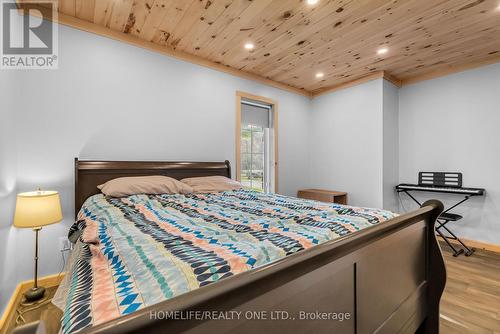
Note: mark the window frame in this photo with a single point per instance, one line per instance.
(242, 95)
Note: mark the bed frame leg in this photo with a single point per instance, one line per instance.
(428, 326)
(421, 328)
(436, 273)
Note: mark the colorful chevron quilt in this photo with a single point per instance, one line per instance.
(140, 250)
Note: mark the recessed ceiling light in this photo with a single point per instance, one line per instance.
(249, 46)
(319, 75)
(312, 2)
(382, 51)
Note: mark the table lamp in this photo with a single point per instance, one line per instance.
(35, 209)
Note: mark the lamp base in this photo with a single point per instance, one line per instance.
(34, 294)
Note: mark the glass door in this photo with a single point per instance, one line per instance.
(257, 146)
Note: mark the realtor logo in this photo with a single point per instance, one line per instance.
(29, 34)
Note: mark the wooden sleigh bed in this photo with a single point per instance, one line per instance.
(389, 278)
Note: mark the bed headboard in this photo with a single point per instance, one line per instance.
(91, 173)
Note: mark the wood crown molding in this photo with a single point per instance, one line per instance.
(395, 81)
(87, 26)
(448, 71)
(366, 78)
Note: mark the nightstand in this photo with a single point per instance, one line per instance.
(321, 195)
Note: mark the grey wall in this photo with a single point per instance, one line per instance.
(110, 100)
(354, 143)
(390, 131)
(9, 94)
(346, 143)
(452, 124)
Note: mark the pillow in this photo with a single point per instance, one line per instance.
(155, 184)
(207, 184)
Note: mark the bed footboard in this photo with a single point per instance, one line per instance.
(384, 279)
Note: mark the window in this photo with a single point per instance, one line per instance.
(252, 157)
(256, 148)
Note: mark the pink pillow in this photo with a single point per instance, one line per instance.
(207, 184)
(155, 184)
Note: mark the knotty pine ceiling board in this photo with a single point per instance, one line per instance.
(294, 41)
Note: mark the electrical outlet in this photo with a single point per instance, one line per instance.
(64, 244)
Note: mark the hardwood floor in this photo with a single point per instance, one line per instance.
(471, 300)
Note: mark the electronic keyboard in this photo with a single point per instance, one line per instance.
(441, 189)
(448, 183)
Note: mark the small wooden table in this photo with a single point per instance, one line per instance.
(321, 195)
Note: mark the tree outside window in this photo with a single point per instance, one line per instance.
(252, 157)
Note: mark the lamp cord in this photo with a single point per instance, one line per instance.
(63, 263)
(28, 307)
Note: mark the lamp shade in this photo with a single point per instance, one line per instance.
(37, 208)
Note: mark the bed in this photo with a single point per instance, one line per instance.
(244, 261)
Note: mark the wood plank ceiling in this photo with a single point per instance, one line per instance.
(294, 40)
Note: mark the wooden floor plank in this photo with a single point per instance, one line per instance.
(471, 300)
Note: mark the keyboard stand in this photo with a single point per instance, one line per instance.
(442, 220)
(442, 225)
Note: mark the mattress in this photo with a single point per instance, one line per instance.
(140, 250)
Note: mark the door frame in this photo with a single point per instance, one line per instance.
(242, 95)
